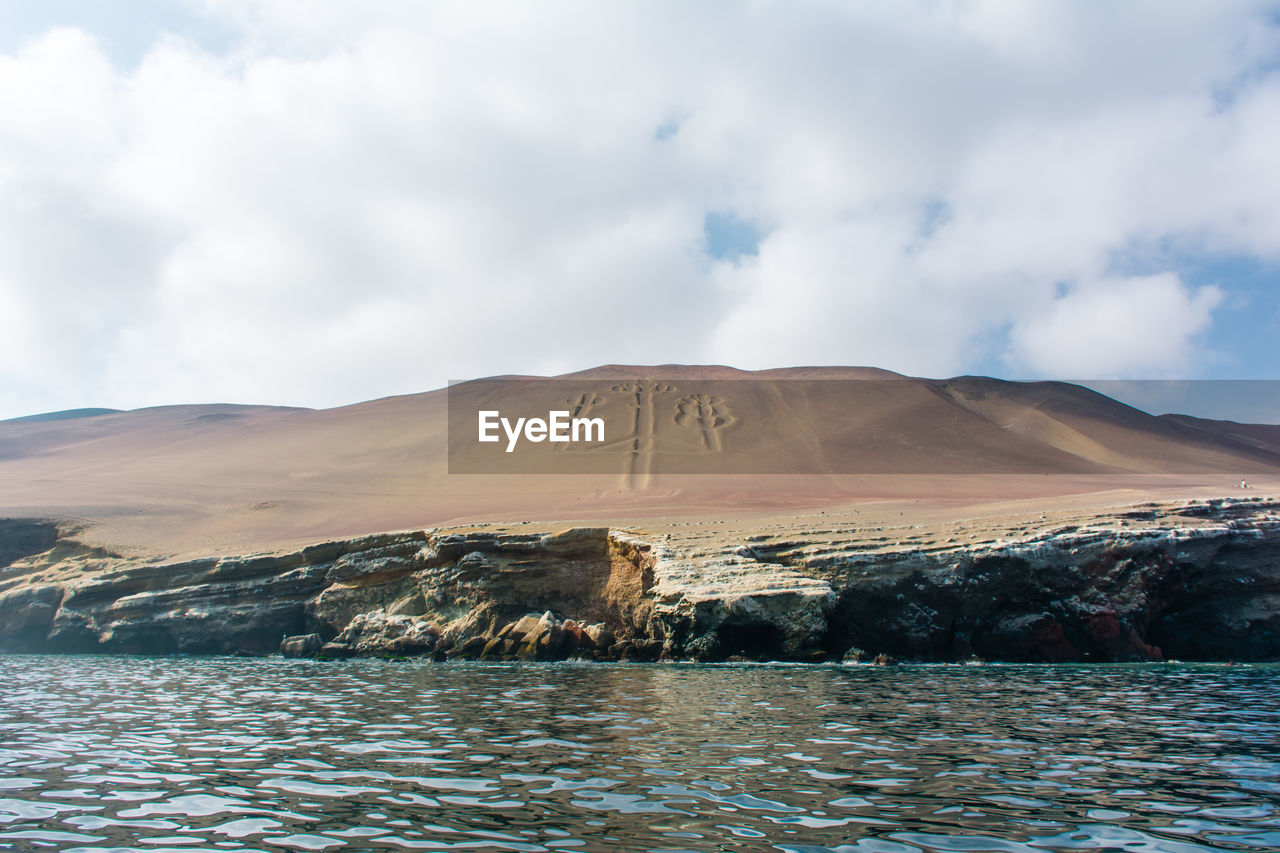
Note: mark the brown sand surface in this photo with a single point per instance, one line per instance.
(221, 479)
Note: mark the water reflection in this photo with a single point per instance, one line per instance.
(116, 754)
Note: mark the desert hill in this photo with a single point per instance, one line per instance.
(223, 478)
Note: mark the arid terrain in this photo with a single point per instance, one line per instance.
(224, 479)
(798, 513)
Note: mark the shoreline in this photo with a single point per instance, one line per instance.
(573, 663)
(1191, 579)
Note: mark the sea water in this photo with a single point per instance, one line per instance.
(182, 754)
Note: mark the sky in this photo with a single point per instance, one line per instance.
(314, 203)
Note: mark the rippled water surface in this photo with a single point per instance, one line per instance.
(232, 754)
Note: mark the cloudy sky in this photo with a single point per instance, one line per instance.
(315, 203)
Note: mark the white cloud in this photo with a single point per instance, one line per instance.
(1137, 326)
(357, 200)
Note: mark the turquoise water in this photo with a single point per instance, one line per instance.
(182, 754)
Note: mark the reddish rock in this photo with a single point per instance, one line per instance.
(1104, 626)
(576, 637)
(1144, 650)
(1050, 641)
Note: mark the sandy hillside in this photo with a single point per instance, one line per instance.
(705, 443)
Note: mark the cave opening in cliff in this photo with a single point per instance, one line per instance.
(749, 639)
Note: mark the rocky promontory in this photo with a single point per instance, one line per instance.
(1193, 580)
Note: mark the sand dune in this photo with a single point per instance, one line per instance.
(222, 478)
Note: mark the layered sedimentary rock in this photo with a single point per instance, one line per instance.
(1190, 580)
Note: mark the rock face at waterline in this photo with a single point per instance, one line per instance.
(1194, 580)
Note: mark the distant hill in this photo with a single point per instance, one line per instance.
(216, 477)
(65, 415)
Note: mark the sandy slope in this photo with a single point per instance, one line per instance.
(222, 479)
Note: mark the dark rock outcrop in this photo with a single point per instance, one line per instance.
(24, 538)
(1198, 580)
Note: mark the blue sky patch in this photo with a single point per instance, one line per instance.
(666, 130)
(1246, 325)
(126, 29)
(729, 237)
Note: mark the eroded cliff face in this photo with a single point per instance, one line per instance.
(1192, 580)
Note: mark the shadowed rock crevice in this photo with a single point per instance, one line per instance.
(748, 639)
(1010, 608)
(1224, 608)
(21, 537)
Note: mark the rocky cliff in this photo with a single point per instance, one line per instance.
(1193, 580)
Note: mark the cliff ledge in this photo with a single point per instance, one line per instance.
(1193, 580)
